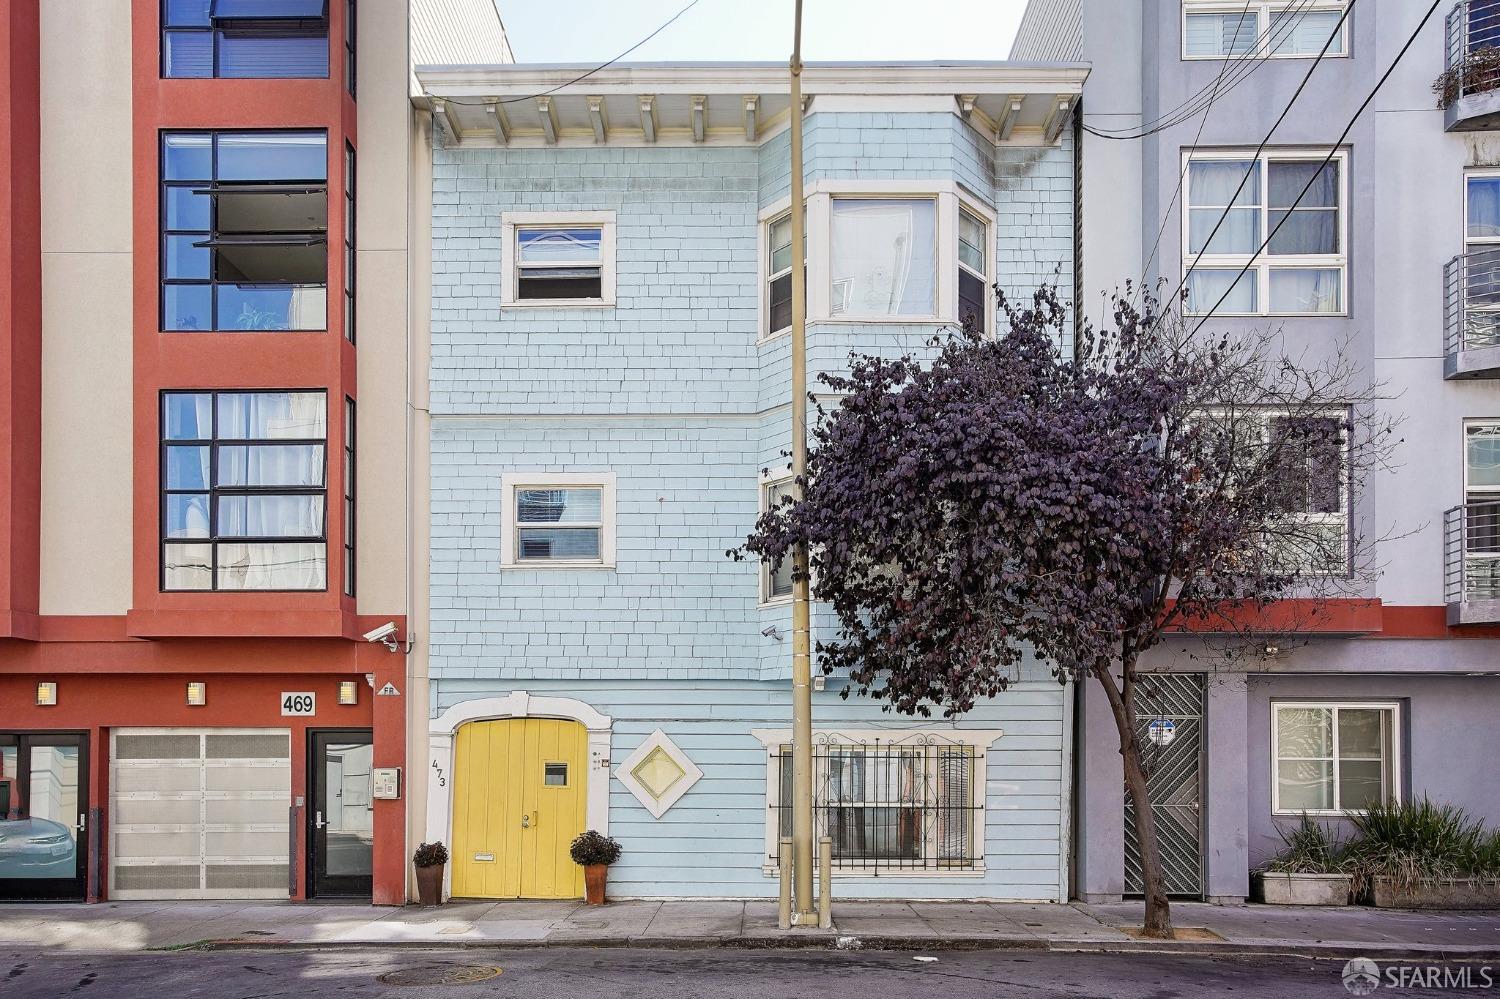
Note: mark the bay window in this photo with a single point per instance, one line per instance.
(779, 276)
(973, 271)
(1301, 270)
(775, 578)
(244, 231)
(244, 490)
(1334, 758)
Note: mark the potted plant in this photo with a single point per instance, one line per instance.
(1309, 870)
(594, 852)
(429, 861)
(1422, 855)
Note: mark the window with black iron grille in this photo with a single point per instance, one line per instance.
(245, 39)
(244, 490)
(890, 806)
(244, 231)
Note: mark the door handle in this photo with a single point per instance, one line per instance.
(318, 822)
(82, 821)
(525, 821)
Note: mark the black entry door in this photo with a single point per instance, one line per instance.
(44, 780)
(341, 837)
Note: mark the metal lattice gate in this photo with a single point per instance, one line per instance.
(1174, 702)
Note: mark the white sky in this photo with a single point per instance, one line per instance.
(588, 31)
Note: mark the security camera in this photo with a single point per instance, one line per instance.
(771, 631)
(382, 633)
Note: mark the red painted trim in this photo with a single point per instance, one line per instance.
(20, 317)
(1322, 617)
(1428, 622)
(194, 655)
(317, 360)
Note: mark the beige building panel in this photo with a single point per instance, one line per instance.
(86, 433)
(86, 121)
(382, 481)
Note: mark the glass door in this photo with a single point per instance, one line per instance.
(341, 839)
(43, 816)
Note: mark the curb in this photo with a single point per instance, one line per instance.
(824, 941)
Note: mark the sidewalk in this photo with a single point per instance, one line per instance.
(135, 926)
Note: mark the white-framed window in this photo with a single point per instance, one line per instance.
(775, 579)
(1482, 498)
(892, 802)
(778, 275)
(1283, 29)
(1481, 270)
(1315, 453)
(558, 520)
(1334, 757)
(882, 257)
(557, 259)
(973, 270)
(1303, 270)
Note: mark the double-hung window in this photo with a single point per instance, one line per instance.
(558, 259)
(1333, 758)
(779, 275)
(247, 39)
(1215, 29)
(1482, 499)
(244, 490)
(889, 802)
(775, 578)
(1301, 270)
(883, 257)
(564, 520)
(973, 271)
(244, 231)
(1309, 457)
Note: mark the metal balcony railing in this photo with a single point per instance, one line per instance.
(1473, 25)
(1471, 556)
(1471, 301)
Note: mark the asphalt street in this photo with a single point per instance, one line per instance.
(546, 973)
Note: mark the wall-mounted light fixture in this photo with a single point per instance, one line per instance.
(348, 692)
(197, 694)
(46, 693)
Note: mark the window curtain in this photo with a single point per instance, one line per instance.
(272, 416)
(1305, 290)
(884, 257)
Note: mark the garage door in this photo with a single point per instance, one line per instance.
(199, 813)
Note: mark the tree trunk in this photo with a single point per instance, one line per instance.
(1158, 917)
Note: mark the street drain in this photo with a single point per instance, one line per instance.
(463, 974)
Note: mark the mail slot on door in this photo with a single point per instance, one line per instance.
(385, 782)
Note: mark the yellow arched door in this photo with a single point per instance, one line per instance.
(519, 799)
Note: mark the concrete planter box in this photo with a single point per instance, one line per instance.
(1386, 894)
(1303, 889)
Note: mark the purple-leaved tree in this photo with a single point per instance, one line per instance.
(1001, 498)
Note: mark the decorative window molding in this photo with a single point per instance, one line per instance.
(658, 773)
(1328, 744)
(1270, 29)
(1284, 278)
(929, 841)
(515, 225)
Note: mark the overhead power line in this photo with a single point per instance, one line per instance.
(1369, 98)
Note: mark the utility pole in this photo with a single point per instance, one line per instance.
(802, 762)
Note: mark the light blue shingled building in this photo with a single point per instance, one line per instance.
(609, 394)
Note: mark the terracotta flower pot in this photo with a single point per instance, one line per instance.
(594, 878)
(430, 885)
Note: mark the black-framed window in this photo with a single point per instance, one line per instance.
(351, 44)
(244, 489)
(244, 39)
(349, 178)
(349, 469)
(244, 230)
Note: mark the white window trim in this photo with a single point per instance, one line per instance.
(1263, 9)
(1341, 517)
(770, 478)
(1264, 262)
(819, 220)
(1493, 492)
(981, 740)
(511, 221)
(1463, 222)
(987, 219)
(511, 481)
(625, 772)
(1393, 765)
